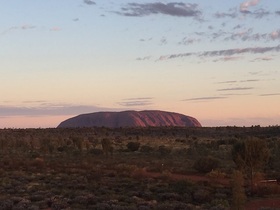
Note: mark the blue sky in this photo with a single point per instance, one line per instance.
(216, 60)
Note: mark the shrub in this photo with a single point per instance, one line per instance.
(206, 164)
(96, 151)
(182, 187)
(38, 163)
(146, 149)
(202, 196)
(216, 174)
(133, 146)
(163, 150)
(219, 204)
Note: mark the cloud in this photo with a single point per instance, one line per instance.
(163, 41)
(236, 88)
(47, 109)
(250, 80)
(218, 34)
(143, 58)
(245, 5)
(227, 52)
(26, 27)
(89, 2)
(204, 98)
(277, 12)
(55, 28)
(260, 13)
(140, 98)
(22, 27)
(148, 39)
(247, 35)
(188, 41)
(255, 73)
(238, 81)
(178, 9)
(225, 14)
(270, 94)
(275, 35)
(262, 59)
(236, 94)
(227, 82)
(228, 58)
(237, 26)
(143, 101)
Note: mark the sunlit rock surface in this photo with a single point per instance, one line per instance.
(130, 119)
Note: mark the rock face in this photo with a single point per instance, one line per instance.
(130, 119)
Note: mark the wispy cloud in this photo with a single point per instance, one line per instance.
(235, 88)
(89, 2)
(260, 13)
(262, 59)
(237, 81)
(55, 28)
(143, 58)
(41, 108)
(250, 80)
(140, 98)
(226, 53)
(228, 58)
(142, 101)
(248, 35)
(229, 14)
(205, 98)
(270, 94)
(236, 94)
(173, 9)
(163, 41)
(255, 72)
(228, 82)
(22, 27)
(275, 35)
(189, 40)
(244, 7)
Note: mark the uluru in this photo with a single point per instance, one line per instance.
(148, 118)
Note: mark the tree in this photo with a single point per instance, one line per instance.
(107, 146)
(238, 192)
(250, 156)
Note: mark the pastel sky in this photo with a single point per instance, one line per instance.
(215, 60)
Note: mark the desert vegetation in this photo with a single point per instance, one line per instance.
(140, 168)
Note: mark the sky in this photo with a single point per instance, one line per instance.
(215, 60)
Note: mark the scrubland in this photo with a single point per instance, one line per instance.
(148, 168)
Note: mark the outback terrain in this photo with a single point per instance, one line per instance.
(140, 168)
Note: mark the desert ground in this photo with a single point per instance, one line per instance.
(140, 168)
